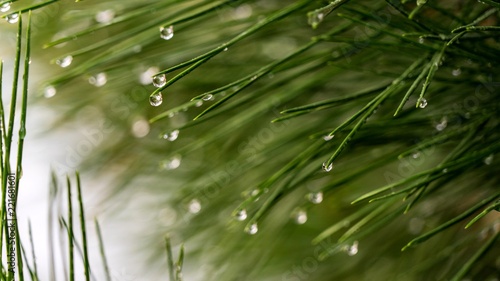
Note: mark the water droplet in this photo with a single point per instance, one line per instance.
(49, 92)
(422, 103)
(327, 168)
(167, 32)
(300, 217)
(171, 164)
(105, 16)
(488, 160)
(198, 103)
(456, 72)
(315, 197)
(442, 124)
(241, 215)
(415, 155)
(353, 249)
(12, 18)
(444, 171)
(225, 49)
(156, 99)
(171, 136)
(315, 19)
(328, 137)
(194, 206)
(421, 2)
(99, 80)
(208, 97)
(5, 7)
(65, 62)
(159, 80)
(421, 40)
(252, 229)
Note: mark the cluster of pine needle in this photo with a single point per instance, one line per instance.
(291, 140)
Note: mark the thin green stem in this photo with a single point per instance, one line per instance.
(170, 258)
(84, 228)
(102, 250)
(315, 17)
(468, 265)
(70, 233)
(451, 222)
(31, 8)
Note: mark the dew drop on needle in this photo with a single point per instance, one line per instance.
(241, 215)
(65, 62)
(315, 197)
(156, 99)
(327, 168)
(252, 229)
(159, 80)
(300, 217)
(5, 7)
(12, 18)
(167, 33)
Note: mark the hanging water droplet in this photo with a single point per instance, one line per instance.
(300, 217)
(159, 80)
(421, 40)
(156, 99)
(198, 103)
(241, 215)
(415, 155)
(208, 97)
(5, 7)
(65, 62)
(194, 206)
(315, 197)
(422, 103)
(49, 92)
(352, 249)
(456, 72)
(12, 18)
(328, 137)
(252, 229)
(171, 164)
(98, 80)
(225, 49)
(167, 32)
(105, 16)
(488, 160)
(444, 171)
(315, 18)
(327, 168)
(171, 136)
(442, 124)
